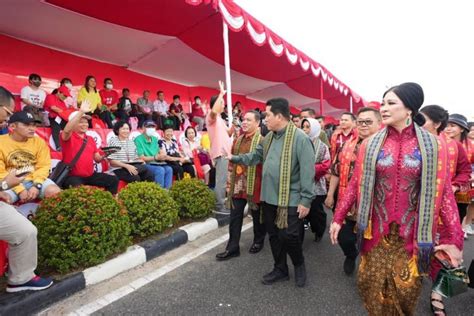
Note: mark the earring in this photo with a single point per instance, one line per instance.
(408, 121)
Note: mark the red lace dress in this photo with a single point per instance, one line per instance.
(387, 256)
(397, 187)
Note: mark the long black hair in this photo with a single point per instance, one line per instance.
(86, 84)
(437, 114)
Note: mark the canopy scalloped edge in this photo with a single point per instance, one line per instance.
(237, 19)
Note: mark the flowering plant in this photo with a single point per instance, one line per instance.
(80, 227)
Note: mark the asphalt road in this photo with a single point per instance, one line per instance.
(207, 287)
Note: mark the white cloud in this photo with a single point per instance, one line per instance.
(371, 45)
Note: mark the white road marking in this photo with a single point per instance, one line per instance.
(138, 283)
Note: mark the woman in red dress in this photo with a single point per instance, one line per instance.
(401, 194)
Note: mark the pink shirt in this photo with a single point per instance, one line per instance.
(220, 139)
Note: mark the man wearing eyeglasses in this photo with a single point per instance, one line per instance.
(368, 123)
(6, 109)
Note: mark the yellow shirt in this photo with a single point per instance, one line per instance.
(92, 96)
(16, 155)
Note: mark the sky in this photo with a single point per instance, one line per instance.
(371, 45)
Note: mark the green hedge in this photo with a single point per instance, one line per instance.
(194, 198)
(150, 208)
(80, 227)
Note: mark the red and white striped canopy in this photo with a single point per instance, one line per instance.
(178, 41)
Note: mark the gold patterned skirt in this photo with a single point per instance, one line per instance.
(386, 283)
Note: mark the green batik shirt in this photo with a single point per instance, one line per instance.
(302, 185)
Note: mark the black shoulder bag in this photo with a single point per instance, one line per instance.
(62, 169)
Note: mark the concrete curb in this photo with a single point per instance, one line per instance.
(134, 256)
(196, 230)
(26, 303)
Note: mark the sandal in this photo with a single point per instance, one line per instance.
(435, 309)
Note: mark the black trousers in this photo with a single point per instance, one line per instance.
(189, 168)
(56, 130)
(179, 170)
(317, 216)
(158, 119)
(347, 239)
(102, 180)
(462, 210)
(106, 117)
(284, 241)
(176, 122)
(235, 225)
(144, 174)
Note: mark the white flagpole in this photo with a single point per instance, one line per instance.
(228, 84)
(351, 106)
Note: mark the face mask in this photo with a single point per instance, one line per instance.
(68, 85)
(150, 131)
(109, 86)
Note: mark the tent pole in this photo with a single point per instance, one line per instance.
(228, 83)
(351, 106)
(321, 96)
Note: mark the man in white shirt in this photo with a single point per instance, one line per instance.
(32, 98)
(160, 109)
(32, 94)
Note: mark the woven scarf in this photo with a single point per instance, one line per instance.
(251, 173)
(429, 190)
(281, 220)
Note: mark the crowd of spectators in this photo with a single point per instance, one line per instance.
(147, 157)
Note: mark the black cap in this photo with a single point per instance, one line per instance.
(149, 123)
(23, 117)
(459, 119)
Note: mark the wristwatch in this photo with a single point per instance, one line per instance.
(4, 186)
(39, 186)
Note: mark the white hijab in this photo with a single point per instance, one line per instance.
(315, 128)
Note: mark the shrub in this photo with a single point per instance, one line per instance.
(194, 198)
(150, 208)
(80, 227)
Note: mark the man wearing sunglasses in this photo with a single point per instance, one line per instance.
(368, 123)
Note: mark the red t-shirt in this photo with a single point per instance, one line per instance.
(85, 164)
(53, 100)
(177, 108)
(197, 111)
(109, 98)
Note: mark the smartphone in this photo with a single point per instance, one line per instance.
(22, 173)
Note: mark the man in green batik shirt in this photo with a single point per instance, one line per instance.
(288, 188)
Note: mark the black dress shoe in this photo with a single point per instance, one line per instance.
(275, 276)
(256, 248)
(317, 238)
(226, 255)
(300, 275)
(349, 265)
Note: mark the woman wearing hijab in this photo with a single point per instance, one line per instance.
(401, 193)
(460, 170)
(317, 216)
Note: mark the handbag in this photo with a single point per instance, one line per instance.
(62, 169)
(470, 274)
(450, 281)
